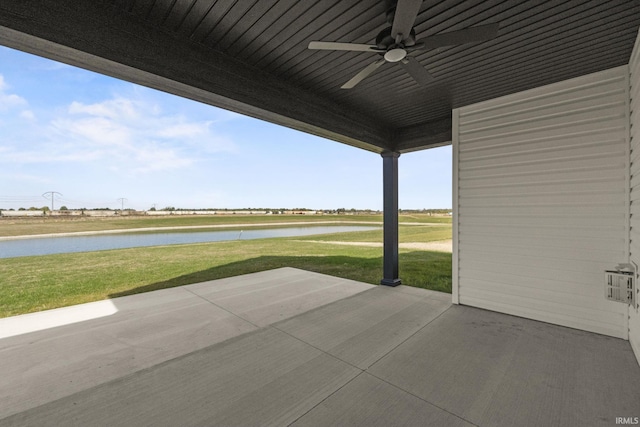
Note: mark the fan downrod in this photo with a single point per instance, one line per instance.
(384, 39)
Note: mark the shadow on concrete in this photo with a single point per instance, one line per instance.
(430, 270)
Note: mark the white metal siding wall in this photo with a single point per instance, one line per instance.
(542, 208)
(634, 68)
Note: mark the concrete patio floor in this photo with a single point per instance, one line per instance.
(291, 347)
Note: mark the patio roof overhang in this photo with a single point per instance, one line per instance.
(251, 56)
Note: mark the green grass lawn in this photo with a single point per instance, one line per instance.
(43, 282)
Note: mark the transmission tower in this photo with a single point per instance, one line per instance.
(53, 196)
(122, 200)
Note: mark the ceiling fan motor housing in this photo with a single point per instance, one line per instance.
(384, 40)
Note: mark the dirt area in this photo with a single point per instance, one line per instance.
(438, 246)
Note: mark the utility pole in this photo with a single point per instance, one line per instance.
(122, 200)
(53, 194)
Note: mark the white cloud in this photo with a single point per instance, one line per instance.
(184, 130)
(27, 115)
(3, 84)
(153, 158)
(93, 131)
(125, 134)
(9, 100)
(116, 109)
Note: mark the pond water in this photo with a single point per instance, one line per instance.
(97, 242)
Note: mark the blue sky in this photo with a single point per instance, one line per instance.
(96, 139)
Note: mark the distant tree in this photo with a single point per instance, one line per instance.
(153, 208)
(64, 208)
(22, 209)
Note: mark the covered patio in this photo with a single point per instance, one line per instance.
(291, 347)
(542, 114)
(323, 68)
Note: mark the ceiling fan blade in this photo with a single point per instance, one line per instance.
(477, 34)
(417, 71)
(343, 46)
(364, 73)
(405, 17)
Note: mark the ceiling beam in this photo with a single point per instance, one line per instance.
(97, 36)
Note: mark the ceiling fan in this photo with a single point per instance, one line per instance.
(396, 42)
